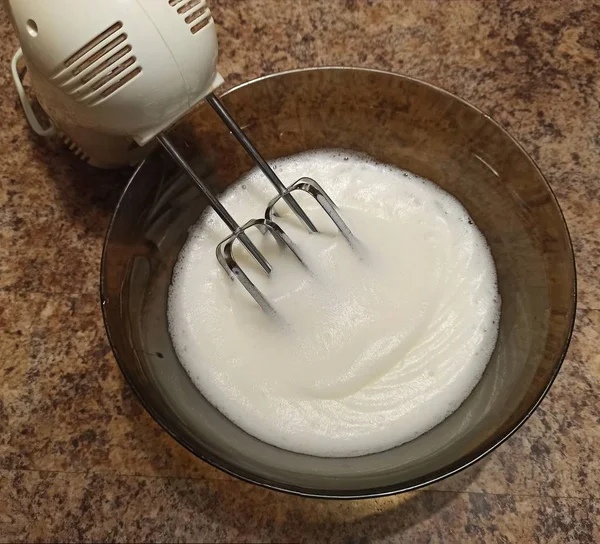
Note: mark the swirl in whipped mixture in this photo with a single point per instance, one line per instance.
(378, 346)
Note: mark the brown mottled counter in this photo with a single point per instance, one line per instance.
(80, 460)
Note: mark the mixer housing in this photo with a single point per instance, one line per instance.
(111, 75)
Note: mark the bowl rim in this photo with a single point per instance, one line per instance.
(462, 463)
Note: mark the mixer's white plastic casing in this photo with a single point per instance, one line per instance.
(112, 74)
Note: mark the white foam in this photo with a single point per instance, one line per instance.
(377, 351)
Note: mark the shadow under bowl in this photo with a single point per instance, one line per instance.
(399, 121)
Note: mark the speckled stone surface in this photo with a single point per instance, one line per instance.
(80, 460)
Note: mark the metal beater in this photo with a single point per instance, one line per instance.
(266, 225)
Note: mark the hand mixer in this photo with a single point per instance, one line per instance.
(114, 75)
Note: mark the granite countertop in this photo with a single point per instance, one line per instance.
(80, 460)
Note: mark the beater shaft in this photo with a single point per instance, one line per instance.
(216, 205)
(241, 137)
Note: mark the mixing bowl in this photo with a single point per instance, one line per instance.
(399, 121)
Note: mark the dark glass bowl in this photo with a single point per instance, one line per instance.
(397, 120)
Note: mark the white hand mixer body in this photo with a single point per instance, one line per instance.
(112, 75)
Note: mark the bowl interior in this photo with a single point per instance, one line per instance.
(396, 120)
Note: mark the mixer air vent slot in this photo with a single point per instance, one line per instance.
(125, 79)
(195, 13)
(75, 149)
(100, 68)
(93, 43)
